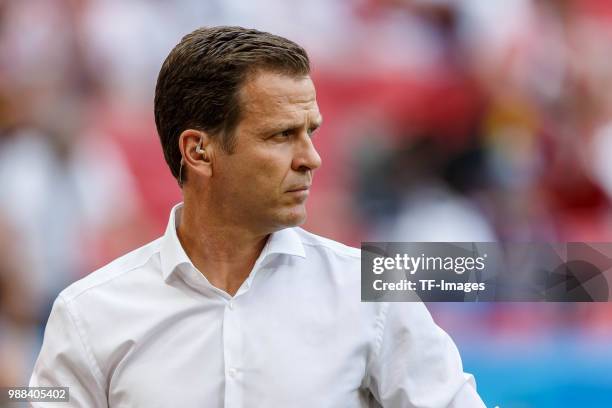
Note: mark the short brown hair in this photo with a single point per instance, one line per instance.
(199, 82)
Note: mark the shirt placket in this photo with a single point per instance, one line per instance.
(232, 337)
(233, 353)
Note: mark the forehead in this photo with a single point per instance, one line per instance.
(269, 98)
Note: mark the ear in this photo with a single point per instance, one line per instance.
(196, 150)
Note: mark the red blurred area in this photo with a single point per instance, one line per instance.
(501, 109)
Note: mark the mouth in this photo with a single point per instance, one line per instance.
(299, 193)
(298, 189)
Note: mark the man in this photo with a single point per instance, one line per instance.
(234, 306)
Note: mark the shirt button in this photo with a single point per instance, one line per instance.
(232, 372)
(231, 305)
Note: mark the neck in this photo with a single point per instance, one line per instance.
(223, 252)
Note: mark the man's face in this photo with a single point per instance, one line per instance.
(265, 181)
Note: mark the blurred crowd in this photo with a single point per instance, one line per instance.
(470, 120)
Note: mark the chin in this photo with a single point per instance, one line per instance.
(294, 219)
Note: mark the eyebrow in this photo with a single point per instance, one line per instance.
(291, 125)
(316, 123)
(319, 122)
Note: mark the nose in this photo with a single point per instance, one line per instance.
(306, 156)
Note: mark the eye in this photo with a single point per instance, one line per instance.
(312, 131)
(284, 134)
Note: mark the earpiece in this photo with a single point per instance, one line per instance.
(199, 149)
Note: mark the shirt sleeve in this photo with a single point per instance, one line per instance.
(415, 364)
(65, 360)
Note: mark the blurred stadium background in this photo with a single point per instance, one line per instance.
(470, 120)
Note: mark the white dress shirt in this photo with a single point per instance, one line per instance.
(149, 330)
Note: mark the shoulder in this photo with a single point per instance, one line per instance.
(327, 246)
(132, 263)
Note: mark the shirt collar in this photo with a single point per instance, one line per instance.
(172, 254)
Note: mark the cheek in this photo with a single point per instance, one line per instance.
(261, 172)
(270, 170)
(268, 179)
(257, 184)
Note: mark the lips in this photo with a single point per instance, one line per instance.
(300, 188)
